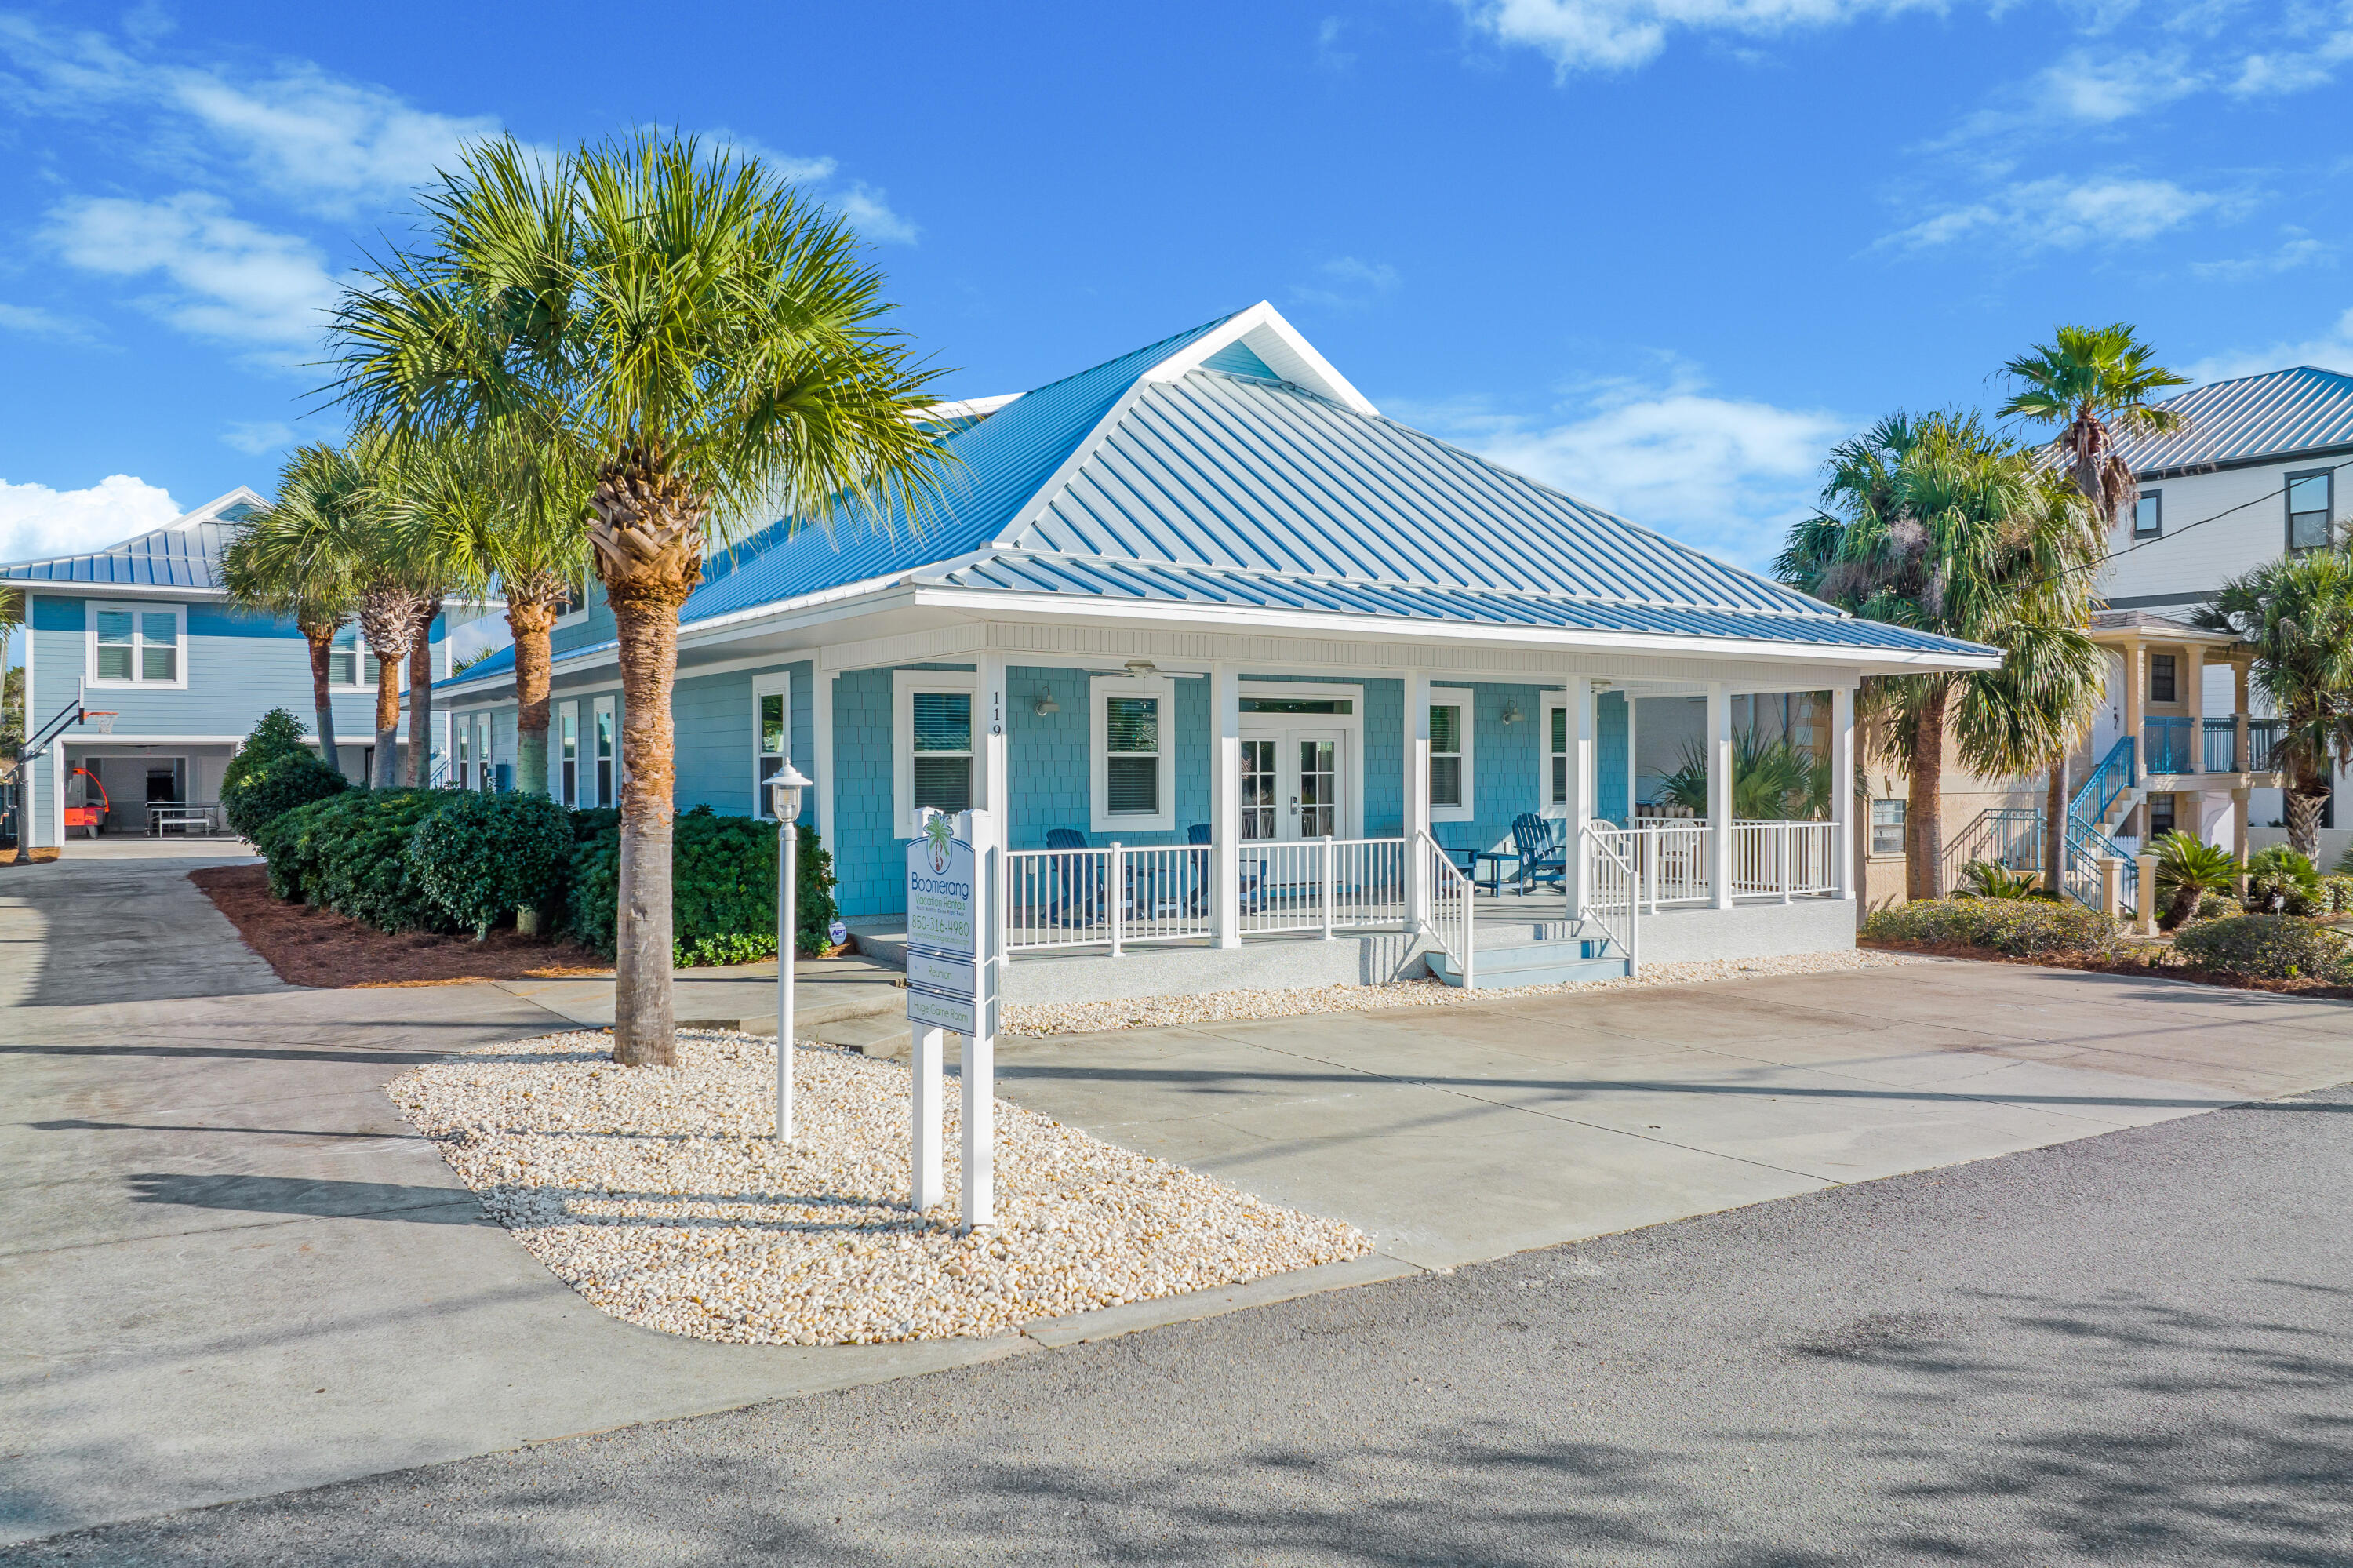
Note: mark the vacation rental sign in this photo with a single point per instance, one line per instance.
(944, 927)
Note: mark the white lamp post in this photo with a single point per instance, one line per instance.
(785, 787)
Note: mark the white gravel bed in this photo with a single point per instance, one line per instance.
(1228, 1006)
(660, 1195)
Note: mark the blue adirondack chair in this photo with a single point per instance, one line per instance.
(1543, 857)
(1074, 882)
(1198, 834)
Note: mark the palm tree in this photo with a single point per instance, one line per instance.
(2095, 384)
(504, 517)
(300, 556)
(2298, 615)
(2188, 868)
(1937, 523)
(710, 343)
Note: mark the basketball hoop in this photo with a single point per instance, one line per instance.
(102, 723)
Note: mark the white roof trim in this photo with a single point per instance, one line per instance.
(209, 510)
(1262, 330)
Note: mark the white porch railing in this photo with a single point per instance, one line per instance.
(1672, 862)
(1787, 859)
(1118, 896)
(1613, 889)
(1451, 922)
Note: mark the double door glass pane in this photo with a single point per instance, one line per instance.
(1319, 790)
(1261, 790)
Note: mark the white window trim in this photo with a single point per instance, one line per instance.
(598, 706)
(1547, 704)
(1458, 697)
(905, 684)
(779, 684)
(179, 613)
(1101, 689)
(569, 709)
(360, 648)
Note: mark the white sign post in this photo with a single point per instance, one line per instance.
(952, 959)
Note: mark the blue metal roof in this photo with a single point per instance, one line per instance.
(2300, 409)
(182, 556)
(999, 466)
(1100, 578)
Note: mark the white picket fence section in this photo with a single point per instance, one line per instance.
(1790, 859)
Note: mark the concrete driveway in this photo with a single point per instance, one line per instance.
(230, 1269)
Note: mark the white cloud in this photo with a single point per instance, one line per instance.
(871, 214)
(37, 522)
(35, 321)
(1329, 55)
(2299, 249)
(2063, 214)
(1347, 284)
(257, 437)
(1620, 35)
(229, 279)
(1726, 474)
(2332, 349)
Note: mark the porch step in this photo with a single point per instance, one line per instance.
(1533, 963)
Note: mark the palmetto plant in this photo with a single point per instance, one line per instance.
(1991, 879)
(1937, 523)
(2297, 614)
(2188, 868)
(1772, 781)
(2284, 880)
(710, 346)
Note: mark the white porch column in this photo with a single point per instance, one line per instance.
(1842, 785)
(1587, 780)
(821, 748)
(2193, 662)
(1719, 792)
(991, 722)
(1417, 796)
(1225, 804)
(1633, 773)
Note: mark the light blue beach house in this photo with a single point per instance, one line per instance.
(143, 635)
(1268, 689)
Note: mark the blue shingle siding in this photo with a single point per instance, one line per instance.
(865, 863)
(713, 718)
(1384, 759)
(1609, 756)
(596, 626)
(1046, 791)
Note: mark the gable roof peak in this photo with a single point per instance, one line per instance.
(1262, 330)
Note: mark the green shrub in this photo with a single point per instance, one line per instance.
(350, 852)
(2280, 880)
(722, 886)
(273, 772)
(1991, 879)
(480, 857)
(2336, 893)
(2023, 927)
(2267, 947)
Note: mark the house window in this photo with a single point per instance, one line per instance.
(1134, 754)
(135, 645)
(2160, 678)
(2310, 503)
(1888, 827)
(772, 709)
(485, 771)
(462, 741)
(2160, 815)
(1557, 764)
(2148, 515)
(349, 664)
(943, 750)
(602, 727)
(1449, 760)
(567, 745)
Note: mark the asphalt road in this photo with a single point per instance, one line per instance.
(2134, 1349)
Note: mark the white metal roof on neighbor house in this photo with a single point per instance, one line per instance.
(183, 554)
(2250, 419)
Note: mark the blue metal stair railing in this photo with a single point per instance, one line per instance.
(2105, 785)
(2168, 745)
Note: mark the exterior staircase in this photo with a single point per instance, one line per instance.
(2013, 835)
(1535, 953)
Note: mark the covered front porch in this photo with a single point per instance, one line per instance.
(1177, 823)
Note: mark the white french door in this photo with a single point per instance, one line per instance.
(1294, 784)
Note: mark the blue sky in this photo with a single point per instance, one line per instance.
(1661, 253)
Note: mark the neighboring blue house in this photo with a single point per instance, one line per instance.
(143, 630)
(1204, 601)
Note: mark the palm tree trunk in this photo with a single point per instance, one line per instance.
(388, 625)
(420, 697)
(1924, 813)
(387, 723)
(530, 622)
(323, 700)
(2054, 829)
(2303, 817)
(643, 1019)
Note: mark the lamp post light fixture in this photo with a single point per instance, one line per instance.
(785, 787)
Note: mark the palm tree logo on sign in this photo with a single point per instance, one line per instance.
(939, 832)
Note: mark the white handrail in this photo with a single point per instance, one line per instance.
(1613, 888)
(1451, 914)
